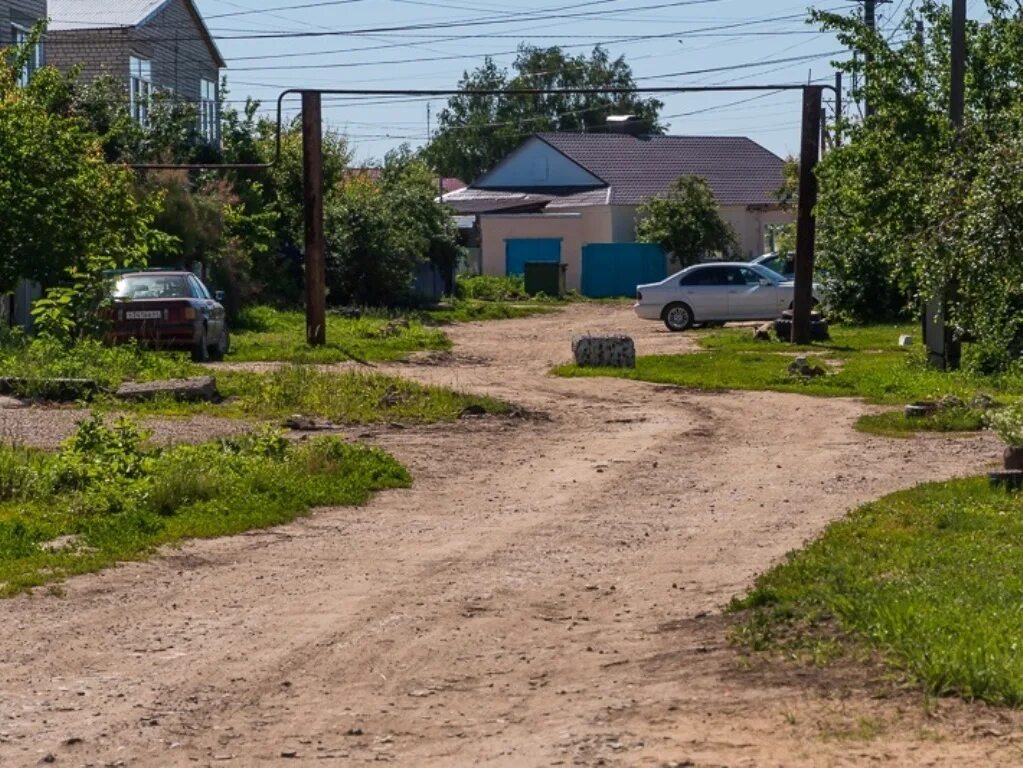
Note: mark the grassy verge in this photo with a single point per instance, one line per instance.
(930, 577)
(266, 334)
(861, 362)
(472, 310)
(106, 498)
(345, 398)
(40, 359)
(896, 424)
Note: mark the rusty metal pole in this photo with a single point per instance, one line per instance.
(806, 225)
(315, 246)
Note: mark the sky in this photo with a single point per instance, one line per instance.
(353, 44)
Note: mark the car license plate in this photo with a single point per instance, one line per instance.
(150, 315)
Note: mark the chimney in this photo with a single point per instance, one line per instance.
(630, 125)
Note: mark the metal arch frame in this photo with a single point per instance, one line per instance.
(810, 143)
(455, 92)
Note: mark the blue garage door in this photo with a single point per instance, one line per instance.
(517, 252)
(615, 269)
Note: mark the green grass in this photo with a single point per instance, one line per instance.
(349, 397)
(40, 359)
(896, 424)
(861, 362)
(105, 498)
(472, 310)
(929, 577)
(266, 334)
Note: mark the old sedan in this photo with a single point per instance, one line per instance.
(172, 310)
(716, 293)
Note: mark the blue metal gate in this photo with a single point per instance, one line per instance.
(615, 269)
(518, 251)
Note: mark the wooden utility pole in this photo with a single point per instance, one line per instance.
(315, 246)
(806, 225)
(943, 350)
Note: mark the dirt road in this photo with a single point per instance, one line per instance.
(548, 593)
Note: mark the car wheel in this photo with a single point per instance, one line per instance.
(201, 348)
(222, 347)
(678, 317)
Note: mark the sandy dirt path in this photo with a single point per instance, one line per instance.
(549, 593)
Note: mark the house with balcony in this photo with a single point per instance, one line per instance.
(149, 45)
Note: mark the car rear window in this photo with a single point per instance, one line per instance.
(152, 287)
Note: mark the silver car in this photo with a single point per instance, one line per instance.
(716, 293)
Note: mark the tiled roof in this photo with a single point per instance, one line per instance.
(99, 14)
(738, 170)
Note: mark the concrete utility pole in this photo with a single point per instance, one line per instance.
(315, 246)
(806, 224)
(943, 351)
(838, 109)
(870, 19)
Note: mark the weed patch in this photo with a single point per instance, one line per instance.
(897, 424)
(107, 497)
(350, 397)
(929, 577)
(265, 334)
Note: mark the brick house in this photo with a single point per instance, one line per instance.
(149, 45)
(17, 17)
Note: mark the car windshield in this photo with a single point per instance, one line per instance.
(151, 287)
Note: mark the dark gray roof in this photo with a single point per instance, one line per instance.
(738, 170)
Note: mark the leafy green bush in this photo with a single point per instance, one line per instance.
(107, 496)
(491, 288)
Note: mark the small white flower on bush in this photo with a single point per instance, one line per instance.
(1007, 423)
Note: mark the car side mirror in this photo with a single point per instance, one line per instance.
(218, 295)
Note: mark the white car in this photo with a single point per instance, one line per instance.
(716, 293)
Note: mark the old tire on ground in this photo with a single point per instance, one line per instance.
(219, 350)
(677, 317)
(201, 348)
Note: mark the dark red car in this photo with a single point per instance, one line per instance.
(170, 310)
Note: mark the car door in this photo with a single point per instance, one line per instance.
(705, 289)
(752, 296)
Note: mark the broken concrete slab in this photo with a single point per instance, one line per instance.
(198, 389)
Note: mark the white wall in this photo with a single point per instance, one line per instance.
(751, 225)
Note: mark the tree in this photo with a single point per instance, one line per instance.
(65, 209)
(686, 222)
(476, 131)
(379, 232)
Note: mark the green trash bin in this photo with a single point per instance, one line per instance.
(546, 277)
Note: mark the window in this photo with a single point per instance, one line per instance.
(19, 35)
(713, 276)
(750, 277)
(198, 288)
(208, 110)
(140, 87)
